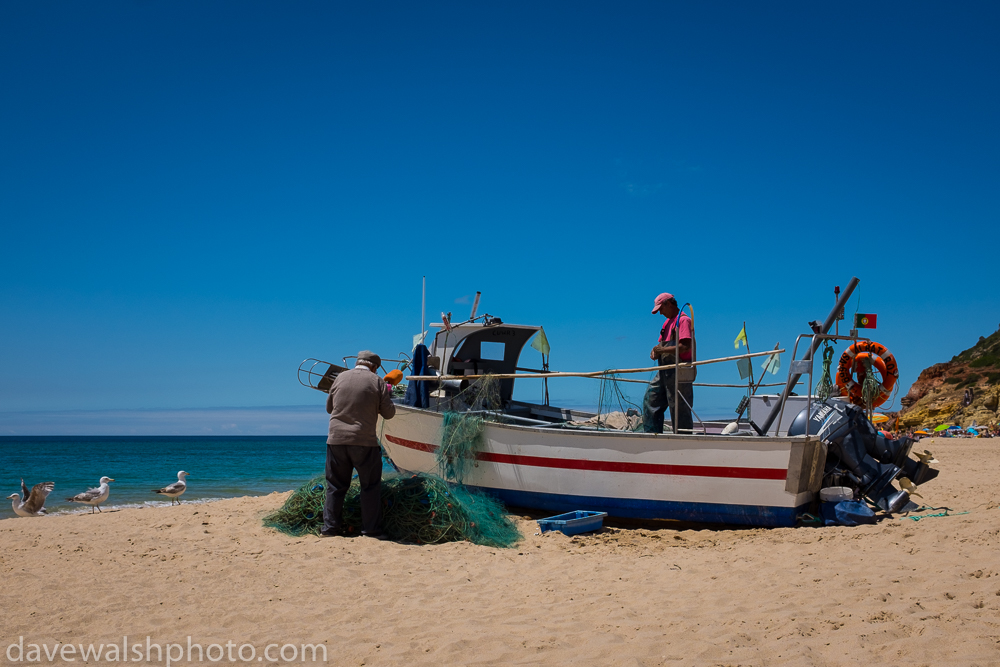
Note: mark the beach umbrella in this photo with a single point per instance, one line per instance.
(921, 432)
(942, 427)
(972, 430)
(879, 418)
(954, 428)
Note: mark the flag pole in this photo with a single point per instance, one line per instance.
(746, 340)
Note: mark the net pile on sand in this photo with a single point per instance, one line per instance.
(422, 508)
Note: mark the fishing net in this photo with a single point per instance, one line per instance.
(461, 438)
(628, 415)
(425, 509)
(422, 508)
(462, 431)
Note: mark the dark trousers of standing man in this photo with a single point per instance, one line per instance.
(660, 396)
(341, 462)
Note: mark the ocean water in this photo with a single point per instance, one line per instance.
(219, 467)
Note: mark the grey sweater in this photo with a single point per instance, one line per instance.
(356, 400)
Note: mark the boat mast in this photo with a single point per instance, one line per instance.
(475, 306)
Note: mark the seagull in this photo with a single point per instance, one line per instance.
(175, 490)
(93, 497)
(33, 502)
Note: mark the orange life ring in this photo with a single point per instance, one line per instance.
(880, 358)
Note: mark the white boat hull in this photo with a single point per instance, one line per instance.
(706, 478)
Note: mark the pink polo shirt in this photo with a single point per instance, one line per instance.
(684, 331)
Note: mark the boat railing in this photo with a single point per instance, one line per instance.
(591, 374)
(822, 329)
(319, 374)
(805, 366)
(598, 374)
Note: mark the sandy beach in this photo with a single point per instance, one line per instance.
(901, 592)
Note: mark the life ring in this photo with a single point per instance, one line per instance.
(880, 358)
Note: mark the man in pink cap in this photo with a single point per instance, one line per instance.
(676, 339)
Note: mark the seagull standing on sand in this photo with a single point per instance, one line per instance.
(33, 502)
(93, 497)
(176, 490)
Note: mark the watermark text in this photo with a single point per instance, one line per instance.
(168, 653)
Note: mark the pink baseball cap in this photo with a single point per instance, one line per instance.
(660, 300)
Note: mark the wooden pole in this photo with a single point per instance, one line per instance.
(763, 372)
(592, 374)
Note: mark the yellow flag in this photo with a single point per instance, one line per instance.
(541, 343)
(742, 338)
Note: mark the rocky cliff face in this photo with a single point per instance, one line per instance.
(961, 391)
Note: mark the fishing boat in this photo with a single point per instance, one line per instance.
(540, 456)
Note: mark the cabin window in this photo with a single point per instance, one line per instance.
(492, 351)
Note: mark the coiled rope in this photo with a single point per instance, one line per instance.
(870, 387)
(824, 387)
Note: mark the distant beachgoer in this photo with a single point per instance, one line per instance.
(676, 337)
(357, 398)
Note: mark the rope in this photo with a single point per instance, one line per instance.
(870, 387)
(807, 519)
(928, 516)
(824, 387)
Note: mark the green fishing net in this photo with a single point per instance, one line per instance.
(421, 508)
(462, 427)
(461, 438)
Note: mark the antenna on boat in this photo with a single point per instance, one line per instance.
(840, 315)
(423, 307)
(475, 306)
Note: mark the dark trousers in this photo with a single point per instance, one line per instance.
(341, 462)
(660, 396)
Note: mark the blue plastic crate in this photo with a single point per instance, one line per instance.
(573, 523)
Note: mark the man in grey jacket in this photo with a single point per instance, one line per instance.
(357, 398)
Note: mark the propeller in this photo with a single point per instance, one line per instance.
(906, 485)
(926, 457)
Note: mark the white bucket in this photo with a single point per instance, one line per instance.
(834, 494)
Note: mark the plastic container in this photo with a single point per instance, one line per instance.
(835, 494)
(573, 523)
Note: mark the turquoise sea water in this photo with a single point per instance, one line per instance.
(219, 467)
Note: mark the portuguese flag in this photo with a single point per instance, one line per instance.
(865, 320)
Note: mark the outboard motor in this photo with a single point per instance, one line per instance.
(897, 452)
(865, 455)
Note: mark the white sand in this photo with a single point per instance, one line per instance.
(901, 592)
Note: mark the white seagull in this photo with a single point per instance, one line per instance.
(33, 502)
(94, 497)
(176, 490)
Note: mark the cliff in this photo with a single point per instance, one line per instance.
(961, 391)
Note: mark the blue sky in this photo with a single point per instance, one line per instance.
(196, 196)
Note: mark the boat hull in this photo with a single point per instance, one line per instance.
(714, 479)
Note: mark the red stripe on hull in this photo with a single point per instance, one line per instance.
(611, 466)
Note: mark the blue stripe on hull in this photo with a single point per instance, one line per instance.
(742, 515)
